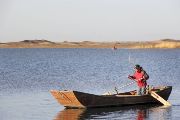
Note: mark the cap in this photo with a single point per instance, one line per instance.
(137, 66)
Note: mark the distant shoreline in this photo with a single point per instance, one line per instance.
(164, 43)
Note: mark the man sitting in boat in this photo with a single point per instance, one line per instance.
(140, 76)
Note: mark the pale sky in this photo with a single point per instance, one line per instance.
(92, 20)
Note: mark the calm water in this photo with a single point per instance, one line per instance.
(27, 75)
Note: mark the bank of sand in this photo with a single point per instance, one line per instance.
(165, 43)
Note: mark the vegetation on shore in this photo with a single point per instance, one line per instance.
(165, 43)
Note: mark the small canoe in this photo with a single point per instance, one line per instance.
(75, 99)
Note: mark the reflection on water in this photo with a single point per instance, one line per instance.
(70, 114)
(138, 112)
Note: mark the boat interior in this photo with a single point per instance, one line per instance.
(156, 89)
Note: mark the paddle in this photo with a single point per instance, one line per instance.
(159, 98)
(116, 89)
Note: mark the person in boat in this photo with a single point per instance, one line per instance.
(141, 77)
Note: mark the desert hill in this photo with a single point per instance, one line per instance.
(164, 43)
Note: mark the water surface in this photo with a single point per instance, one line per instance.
(27, 75)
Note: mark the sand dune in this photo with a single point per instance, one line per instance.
(165, 43)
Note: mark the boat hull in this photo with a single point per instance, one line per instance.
(75, 99)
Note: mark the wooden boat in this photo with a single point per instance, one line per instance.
(75, 99)
(114, 48)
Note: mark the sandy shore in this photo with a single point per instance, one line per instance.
(165, 43)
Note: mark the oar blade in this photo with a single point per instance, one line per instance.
(159, 98)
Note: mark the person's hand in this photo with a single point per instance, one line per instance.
(141, 79)
(130, 77)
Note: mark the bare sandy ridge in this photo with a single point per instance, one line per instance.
(165, 43)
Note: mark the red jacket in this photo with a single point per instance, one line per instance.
(141, 78)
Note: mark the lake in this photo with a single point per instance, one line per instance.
(27, 76)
